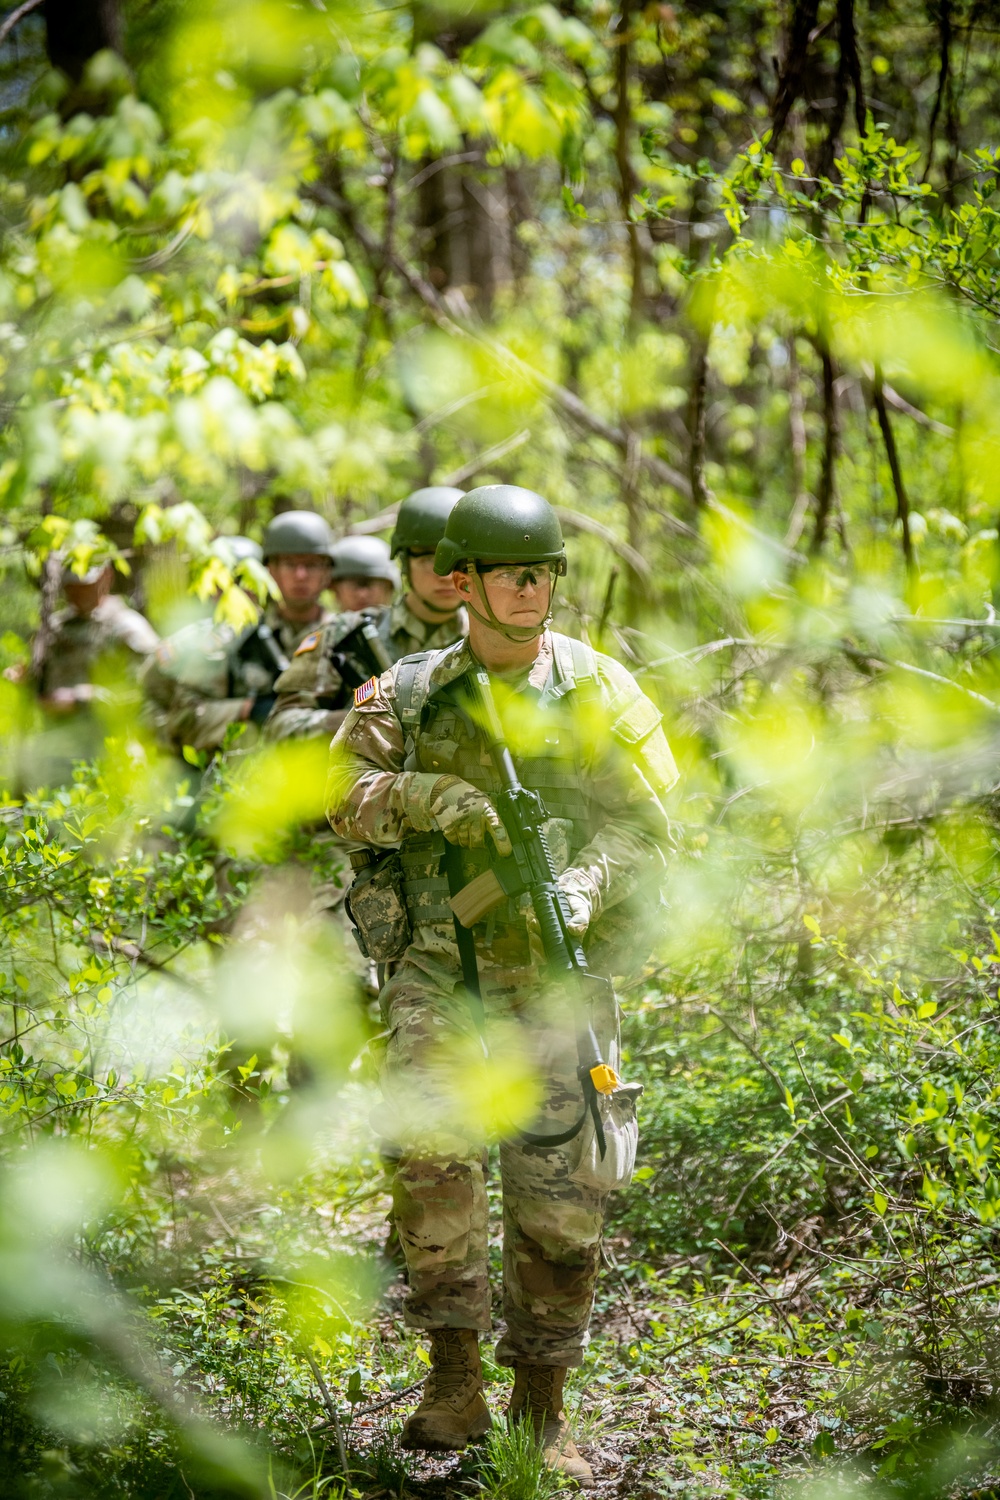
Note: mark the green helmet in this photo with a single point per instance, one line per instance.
(298, 533)
(363, 557)
(501, 523)
(421, 518)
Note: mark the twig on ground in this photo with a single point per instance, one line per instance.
(334, 1415)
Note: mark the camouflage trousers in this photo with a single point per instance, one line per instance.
(443, 1099)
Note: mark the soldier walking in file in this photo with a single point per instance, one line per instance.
(208, 676)
(318, 688)
(413, 766)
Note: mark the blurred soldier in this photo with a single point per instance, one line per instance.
(364, 575)
(208, 676)
(316, 691)
(409, 767)
(86, 677)
(96, 625)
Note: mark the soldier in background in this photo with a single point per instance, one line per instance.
(313, 696)
(95, 625)
(85, 675)
(364, 575)
(207, 675)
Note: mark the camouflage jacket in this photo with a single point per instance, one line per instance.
(315, 693)
(80, 642)
(200, 677)
(583, 735)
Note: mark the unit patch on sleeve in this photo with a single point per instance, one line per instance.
(365, 691)
(309, 643)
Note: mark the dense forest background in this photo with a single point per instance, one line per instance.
(722, 283)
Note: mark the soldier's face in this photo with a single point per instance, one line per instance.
(518, 594)
(301, 579)
(439, 594)
(363, 593)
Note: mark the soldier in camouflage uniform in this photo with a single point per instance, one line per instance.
(409, 768)
(207, 676)
(94, 654)
(316, 691)
(364, 574)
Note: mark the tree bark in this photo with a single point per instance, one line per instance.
(826, 489)
(892, 454)
(627, 183)
(797, 444)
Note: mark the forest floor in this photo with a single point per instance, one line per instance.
(682, 1392)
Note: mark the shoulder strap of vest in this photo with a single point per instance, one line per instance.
(576, 667)
(412, 684)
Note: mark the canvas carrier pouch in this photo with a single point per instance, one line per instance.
(376, 907)
(621, 1136)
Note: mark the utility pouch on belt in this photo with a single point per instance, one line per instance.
(613, 1170)
(376, 907)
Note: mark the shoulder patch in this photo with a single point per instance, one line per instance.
(365, 691)
(308, 643)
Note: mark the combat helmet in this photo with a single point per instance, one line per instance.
(298, 533)
(422, 517)
(364, 557)
(501, 523)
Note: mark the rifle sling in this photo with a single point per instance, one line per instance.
(452, 862)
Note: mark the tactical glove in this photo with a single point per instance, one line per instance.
(466, 815)
(580, 898)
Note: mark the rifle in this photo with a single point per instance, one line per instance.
(530, 868)
(350, 662)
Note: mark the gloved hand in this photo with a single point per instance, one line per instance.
(579, 896)
(466, 815)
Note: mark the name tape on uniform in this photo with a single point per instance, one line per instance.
(365, 691)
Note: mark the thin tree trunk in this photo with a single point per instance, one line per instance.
(696, 421)
(944, 74)
(626, 176)
(634, 594)
(891, 453)
(51, 582)
(790, 82)
(797, 443)
(826, 489)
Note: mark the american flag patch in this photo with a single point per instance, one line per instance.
(365, 691)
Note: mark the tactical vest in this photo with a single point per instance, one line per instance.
(440, 738)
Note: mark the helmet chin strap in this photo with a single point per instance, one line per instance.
(518, 634)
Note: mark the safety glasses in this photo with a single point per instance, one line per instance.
(516, 576)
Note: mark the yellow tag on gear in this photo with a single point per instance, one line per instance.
(604, 1078)
(308, 643)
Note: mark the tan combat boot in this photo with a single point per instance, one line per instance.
(452, 1410)
(538, 1398)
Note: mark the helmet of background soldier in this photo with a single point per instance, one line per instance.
(298, 533)
(236, 549)
(422, 517)
(363, 557)
(500, 523)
